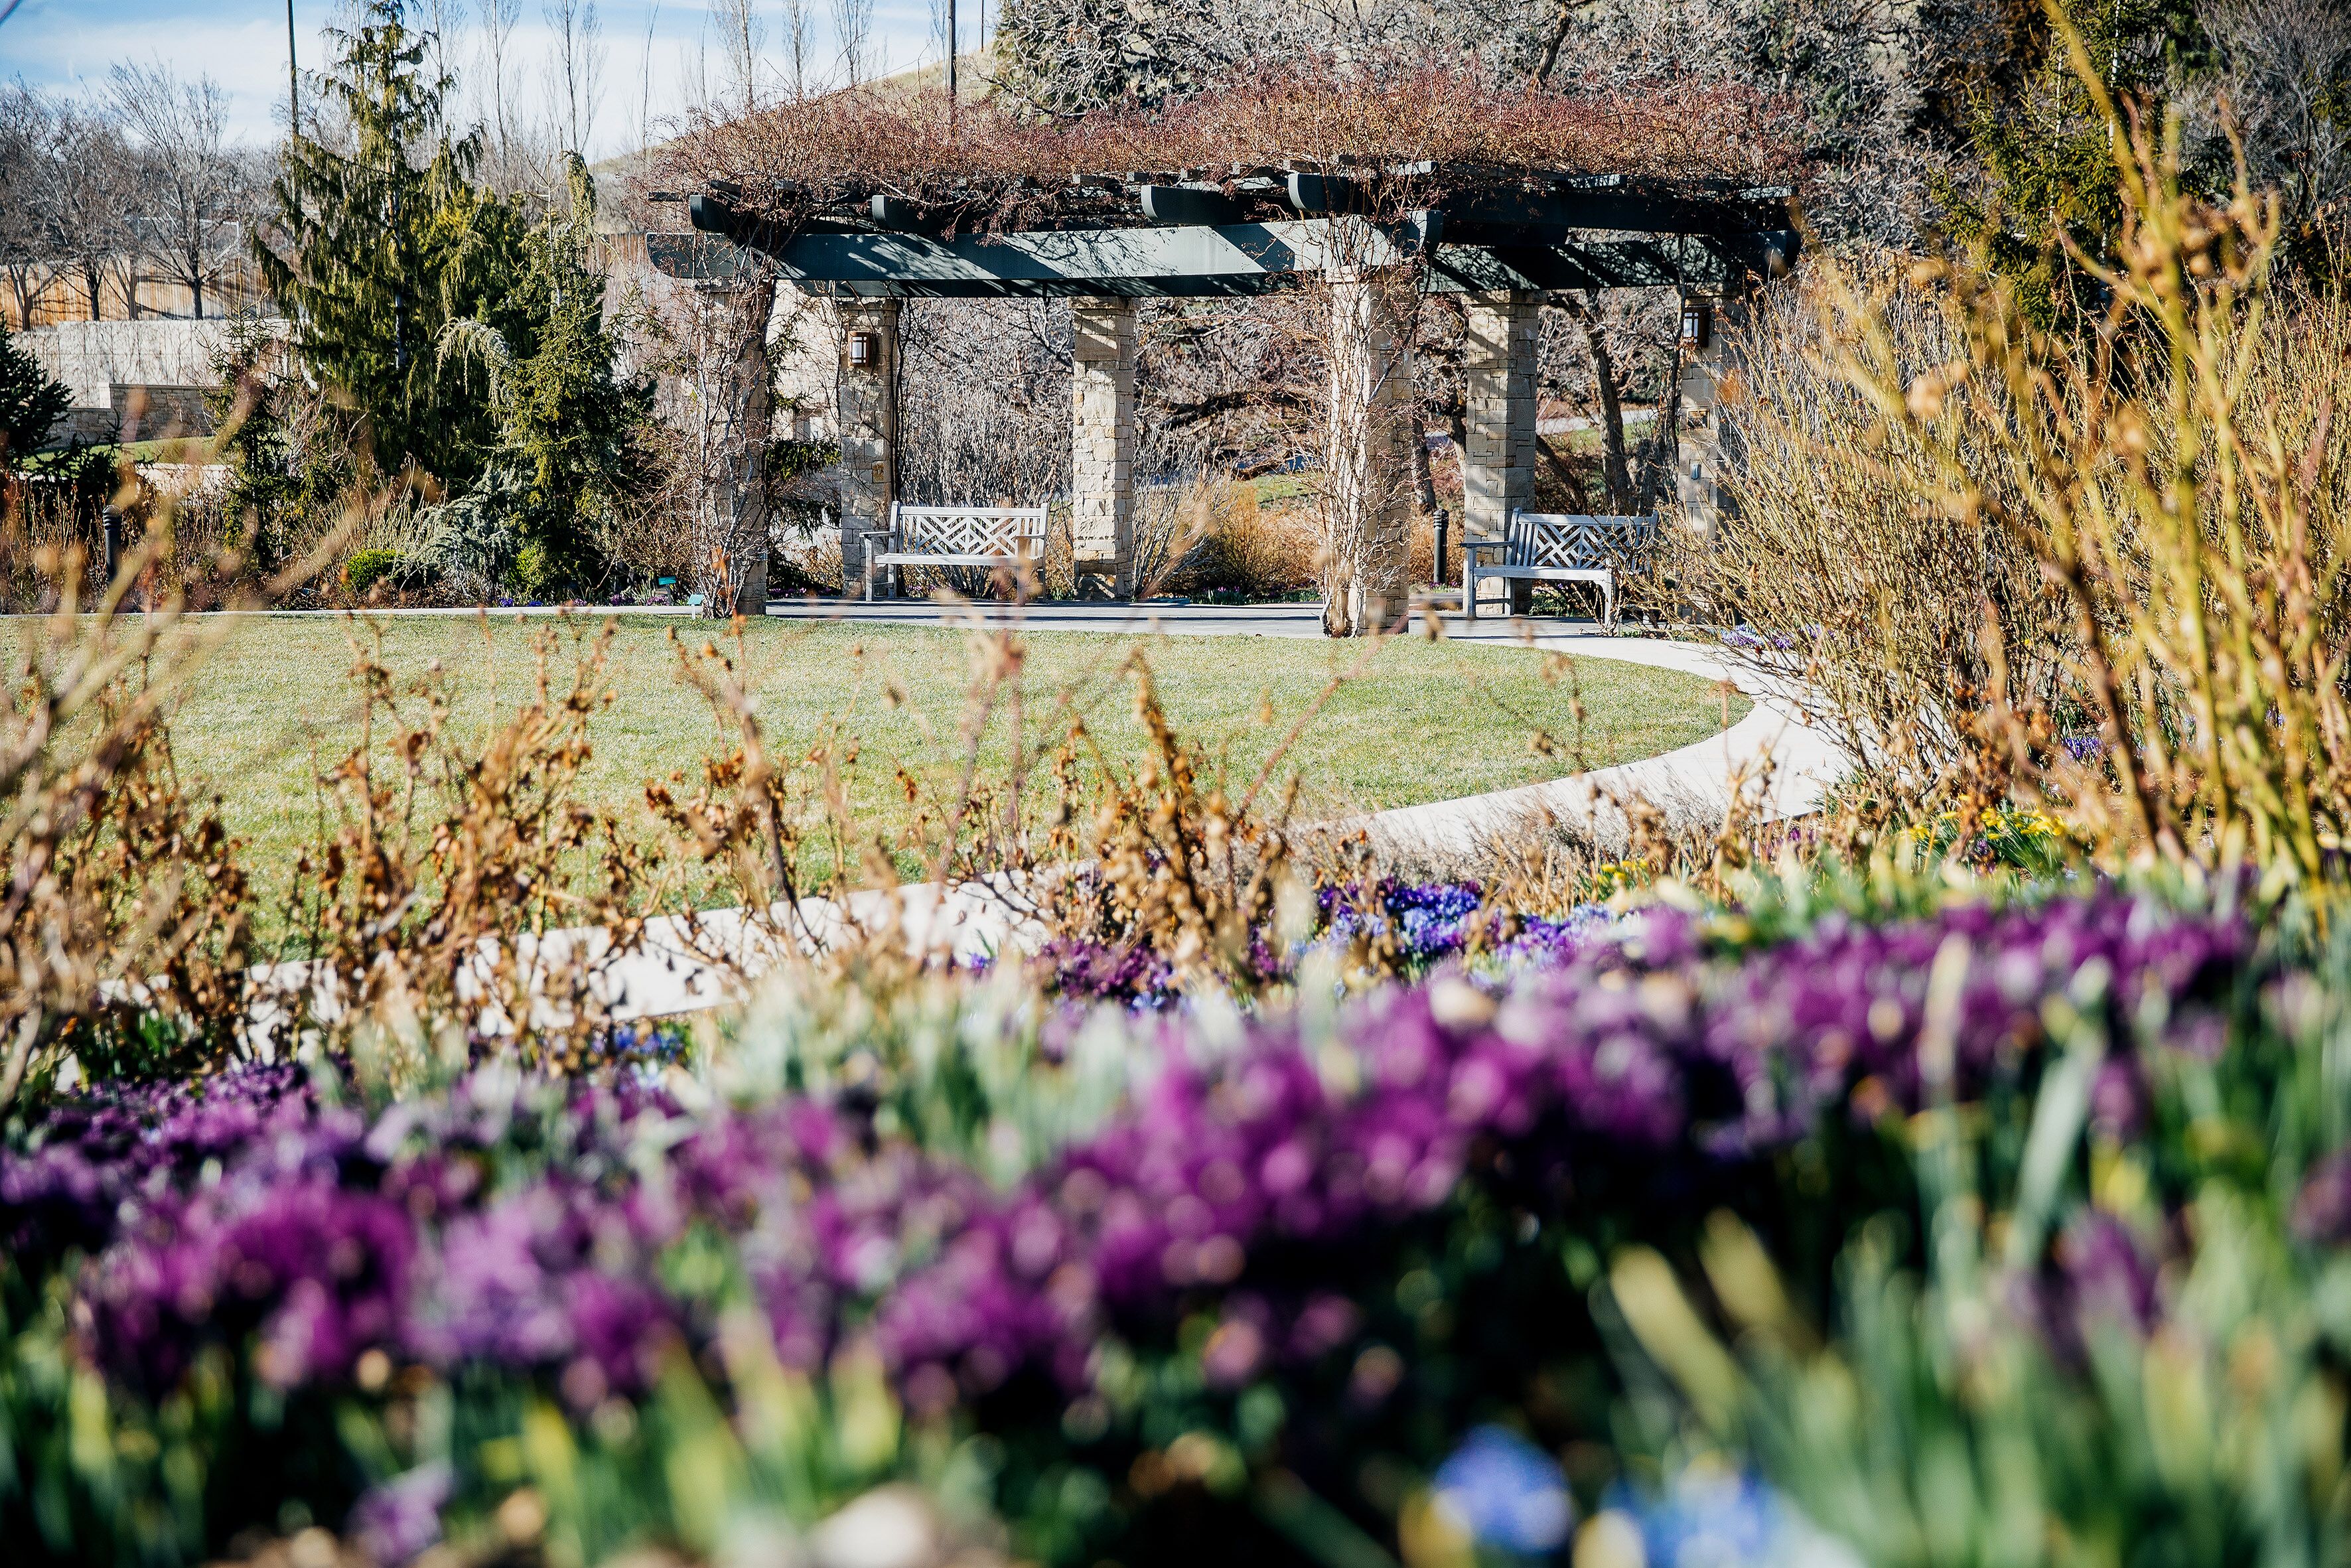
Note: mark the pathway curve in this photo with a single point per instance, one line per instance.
(1783, 765)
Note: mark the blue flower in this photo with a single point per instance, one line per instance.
(1707, 1518)
(1506, 1492)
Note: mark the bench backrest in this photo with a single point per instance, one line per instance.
(969, 531)
(1560, 538)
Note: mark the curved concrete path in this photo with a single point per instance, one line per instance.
(1782, 766)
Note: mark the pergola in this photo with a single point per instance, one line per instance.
(1501, 240)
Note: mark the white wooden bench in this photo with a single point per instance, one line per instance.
(1555, 547)
(956, 536)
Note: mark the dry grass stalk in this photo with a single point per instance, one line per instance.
(2103, 573)
(1179, 865)
(123, 918)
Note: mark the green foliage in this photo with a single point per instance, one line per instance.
(462, 341)
(2117, 1345)
(384, 251)
(565, 425)
(789, 459)
(2046, 162)
(30, 403)
(279, 485)
(367, 567)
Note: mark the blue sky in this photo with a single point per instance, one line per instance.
(67, 45)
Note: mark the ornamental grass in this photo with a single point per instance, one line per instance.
(2097, 569)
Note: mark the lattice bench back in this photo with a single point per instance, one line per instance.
(1567, 540)
(1005, 531)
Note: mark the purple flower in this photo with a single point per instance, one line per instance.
(399, 1521)
(519, 1224)
(2322, 1213)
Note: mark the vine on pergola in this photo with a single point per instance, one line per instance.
(1395, 133)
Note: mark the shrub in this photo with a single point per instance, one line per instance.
(367, 567)
(1244, 549)
(30, 403)
(1976, 545)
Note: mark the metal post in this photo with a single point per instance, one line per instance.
(951, 59)
(293, 77)
(1436, 567)
(110, 533)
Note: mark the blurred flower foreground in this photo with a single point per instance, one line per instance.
(1910, 1228)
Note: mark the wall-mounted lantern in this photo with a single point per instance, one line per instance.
(1697, 324)
(865, 349)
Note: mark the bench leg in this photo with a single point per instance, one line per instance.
(1608, 603)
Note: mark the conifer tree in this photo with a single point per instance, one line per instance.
(384, 236)
(567, 426)
(30, 403)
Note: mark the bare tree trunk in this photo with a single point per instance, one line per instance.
(1563, 21)
(1366, 474)
(1662, 450)
(736, 396)
(1615, 468)
(747, 574)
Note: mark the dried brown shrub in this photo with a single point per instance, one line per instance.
(429, 906)
(2101, 573)
(124, 916)
(1179, 864)
(1238, 545)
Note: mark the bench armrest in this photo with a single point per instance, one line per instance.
(1471, 547)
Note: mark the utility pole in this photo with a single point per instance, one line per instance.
(951, 63)
(293, 77)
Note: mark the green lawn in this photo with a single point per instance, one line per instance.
(1421, 721)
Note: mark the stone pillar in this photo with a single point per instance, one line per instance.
(1368, 478)
(1497, 471)
(1103, 442)
(1699, 443)
(868, 423)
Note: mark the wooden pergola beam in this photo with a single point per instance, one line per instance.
(1210, 260)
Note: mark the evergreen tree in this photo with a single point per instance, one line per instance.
(386, 238)
(2046, 166)
(567, 448)
(30, 403)
(279, 488)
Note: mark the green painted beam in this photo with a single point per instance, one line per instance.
(1206, 261)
